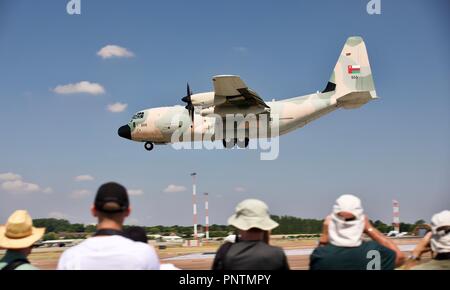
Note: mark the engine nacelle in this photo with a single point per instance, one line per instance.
(206, 100)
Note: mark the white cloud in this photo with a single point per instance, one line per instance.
(239, 189)
(117, 107)
(9, 176)
(14, 183)
(80, 193)
(135, 192)
(84, 177)
(174, 188)
(20, 186)
(110, 51)
(80, 87)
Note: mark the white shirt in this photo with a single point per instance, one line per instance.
(109, 253)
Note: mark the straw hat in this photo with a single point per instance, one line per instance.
(18, 232)
(252, 213)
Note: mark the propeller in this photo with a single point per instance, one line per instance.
(187, 99)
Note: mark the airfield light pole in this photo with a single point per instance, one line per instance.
(206, 217)
(194, 204)
(396, 215)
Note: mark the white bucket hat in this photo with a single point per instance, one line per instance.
(18, 232)
(252, 213)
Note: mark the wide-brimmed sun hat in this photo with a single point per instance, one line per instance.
(252, 213)
(18, 232)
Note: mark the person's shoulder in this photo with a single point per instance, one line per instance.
(143, 248)
(322, 249)
(273, 249)
(78, 247)
(372, 245)
(148, 253)
(225, 246)
(68, 253)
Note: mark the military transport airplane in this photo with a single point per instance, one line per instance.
(350, 86)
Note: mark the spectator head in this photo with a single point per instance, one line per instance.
(136, 234)
(347, 222)
(18, 233)
(111, 203)
(440, 227)
(252, 217)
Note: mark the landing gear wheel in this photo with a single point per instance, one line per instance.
(148, 146)
(243, 143)
(229, 143)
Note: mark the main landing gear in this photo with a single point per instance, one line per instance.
(148, 146)
(232, 142)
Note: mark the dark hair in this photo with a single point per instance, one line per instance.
(136, 234)
(255, 230)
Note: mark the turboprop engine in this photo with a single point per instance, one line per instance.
(206, 100)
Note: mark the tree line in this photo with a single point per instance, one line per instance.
(287, 225)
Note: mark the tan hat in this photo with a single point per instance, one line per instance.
(19, 233)
(252, 213)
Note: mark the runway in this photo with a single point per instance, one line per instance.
(292, 252)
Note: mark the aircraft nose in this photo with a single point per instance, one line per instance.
(124, 132)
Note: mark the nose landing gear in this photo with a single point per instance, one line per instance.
(148, 146)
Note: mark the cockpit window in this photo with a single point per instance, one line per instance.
(139, 115)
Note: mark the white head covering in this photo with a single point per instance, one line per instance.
(440, 241)
(346, 233)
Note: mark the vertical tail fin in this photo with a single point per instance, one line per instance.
(352, 77)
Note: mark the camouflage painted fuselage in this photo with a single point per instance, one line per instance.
(350, 86)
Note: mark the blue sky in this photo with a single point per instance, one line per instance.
(395, 148)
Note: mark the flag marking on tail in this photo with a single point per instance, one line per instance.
(354, 69)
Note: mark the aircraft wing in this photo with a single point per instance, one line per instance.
(236, 92)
